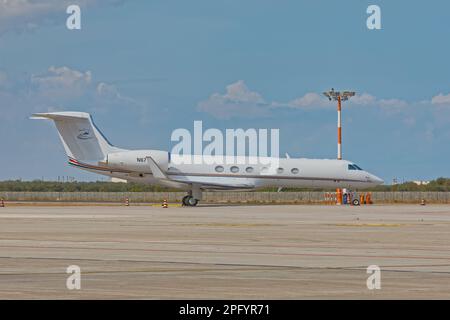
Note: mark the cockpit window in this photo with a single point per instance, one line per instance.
(354, 167)
(357, 167)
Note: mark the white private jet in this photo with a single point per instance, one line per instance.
(88, 149)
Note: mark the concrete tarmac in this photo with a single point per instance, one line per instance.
(231, 252)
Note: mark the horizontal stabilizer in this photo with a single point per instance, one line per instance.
(60, 115)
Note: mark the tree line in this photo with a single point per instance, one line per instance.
(96, 186)
(440, 184)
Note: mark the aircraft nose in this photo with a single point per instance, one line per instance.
(376, 179)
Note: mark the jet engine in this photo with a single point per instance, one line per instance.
(137, 160)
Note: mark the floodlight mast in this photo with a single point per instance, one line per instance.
(339, 97)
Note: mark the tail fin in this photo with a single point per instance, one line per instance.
(79, 135)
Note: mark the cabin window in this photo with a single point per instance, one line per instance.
(249, 169)
(219, 169)
(234, 169)
(295, 170)
(280, 170)
(264, 170)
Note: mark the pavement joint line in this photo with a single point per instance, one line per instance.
(230, 264)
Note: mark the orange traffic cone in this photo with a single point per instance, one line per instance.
(339, 196)
(368, 198)
(164, 204)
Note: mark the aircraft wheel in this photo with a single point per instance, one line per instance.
(192, 201)
(185, 200)
(355, 202)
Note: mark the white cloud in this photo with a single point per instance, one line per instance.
(364, 99)
(62, 82)
(107, 90)
(23, 15)
(237, 101)
(441, 99)
(60, 88)
(62, 77)
(311, 99)
(239, 92)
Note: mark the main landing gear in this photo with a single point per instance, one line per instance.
(193, 197)
(189, 201)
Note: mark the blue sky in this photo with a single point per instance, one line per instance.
(145, 68)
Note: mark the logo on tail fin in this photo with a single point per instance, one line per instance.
(84, 134)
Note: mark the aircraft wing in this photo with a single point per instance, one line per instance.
(219, 186)
(211, 183)
(156, 170)
(203, 182)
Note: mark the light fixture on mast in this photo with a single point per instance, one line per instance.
(339, 97)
